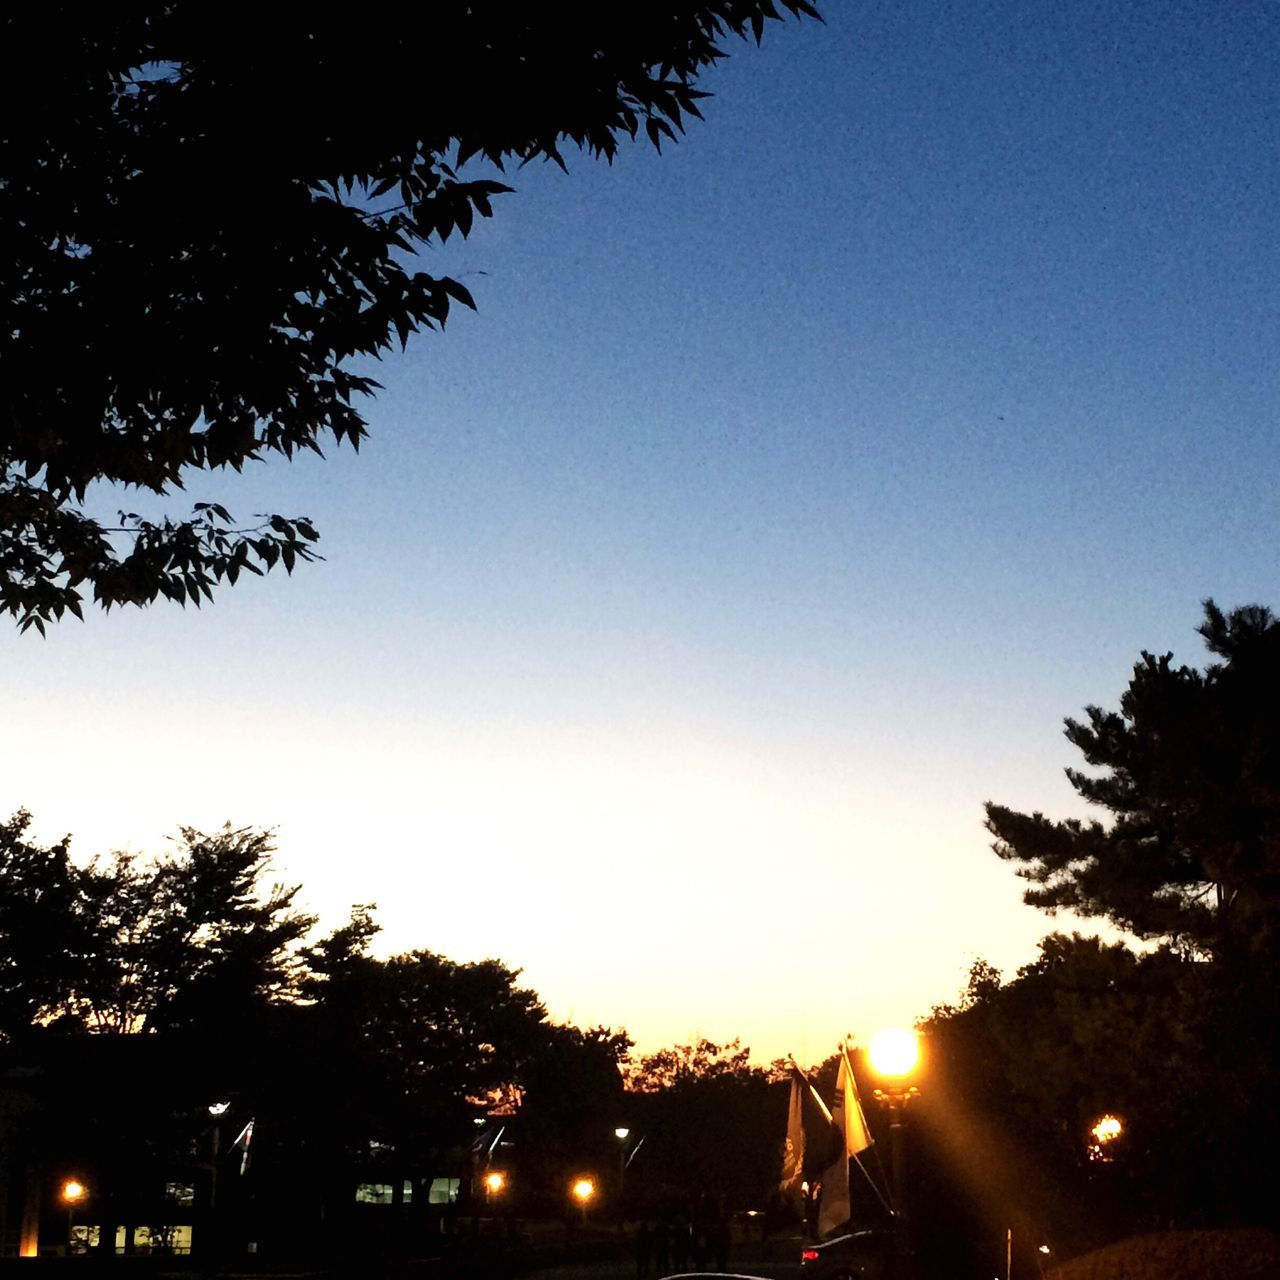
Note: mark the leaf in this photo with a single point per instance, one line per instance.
(457, 291)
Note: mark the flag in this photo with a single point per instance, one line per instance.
(857, 1137)
(793, 1150)
(846, 1113)
(242, 1142)
(811, 1143)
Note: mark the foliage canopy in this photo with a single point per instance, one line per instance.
(127, 944)
(1189, 769)
(204, 228)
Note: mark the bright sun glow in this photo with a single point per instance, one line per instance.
(894, 1052)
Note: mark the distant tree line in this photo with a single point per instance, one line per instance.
(135, 990)
(152, 986)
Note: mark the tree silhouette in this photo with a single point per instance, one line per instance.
(196, 938)
(209, 215)
(47, 936)
(715, 1123)
(193, 939)
(1022, 1070)
(1189, 769)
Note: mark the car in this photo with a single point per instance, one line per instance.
(858, 1255)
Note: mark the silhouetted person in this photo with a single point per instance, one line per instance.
(644, 1250)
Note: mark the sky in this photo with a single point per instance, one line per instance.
(785, 493)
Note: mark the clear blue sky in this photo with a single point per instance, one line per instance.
(786, 492)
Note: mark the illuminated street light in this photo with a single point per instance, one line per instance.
(1105, 1130)
(583, 1189)
(1045, 1252)
(894, 1052)
(622, 1133)
(1108, 1129)
(72, 1192)
(495, 1182)
(216, 1111)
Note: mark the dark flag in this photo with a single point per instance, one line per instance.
(792, 1184)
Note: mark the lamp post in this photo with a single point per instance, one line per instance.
(1104, 1133)
(216, 1111)
(73, 1192)
(583, 1189)
(622, 1133)
(894, 1055)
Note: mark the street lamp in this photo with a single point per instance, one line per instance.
(1104, 1132)
(622, 1133)
(894, 1052)
(216, 1111)
(583, 1189)
(1043, 1253)
(73, 1191)
(894, 1055)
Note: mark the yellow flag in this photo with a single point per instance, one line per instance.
(846, 1112)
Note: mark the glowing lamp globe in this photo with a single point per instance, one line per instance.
(894, 1052)
(583, 1190)
(73, 1191)
(1108, 1128)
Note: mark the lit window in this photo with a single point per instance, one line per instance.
(83, 1239)
(154, 1239)
(183, 1193)
(444, 1191)
(375, 1193)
